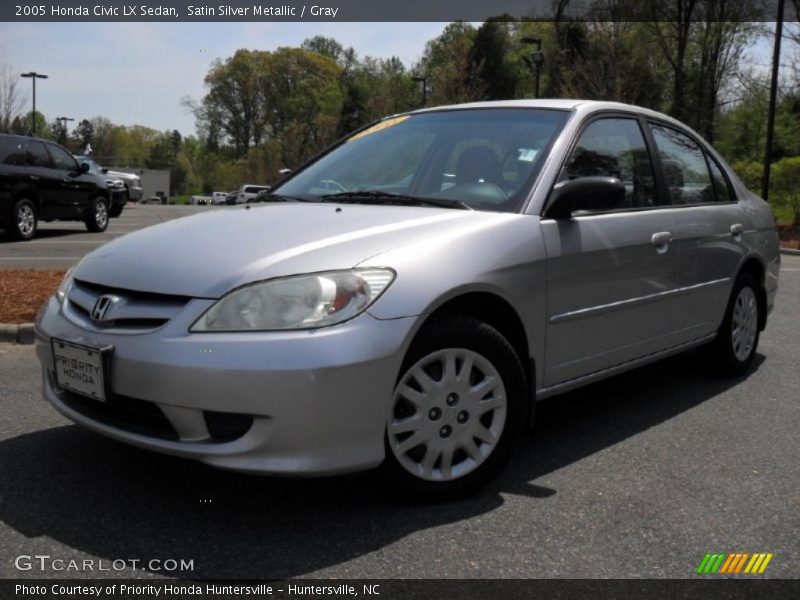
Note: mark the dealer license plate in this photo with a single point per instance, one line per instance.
(80, 369)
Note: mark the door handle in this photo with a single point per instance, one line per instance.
(662, 238)
(737, 229)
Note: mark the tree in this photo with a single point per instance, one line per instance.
(446, 63)
(325, 46)
(84, 134)
(12, 100)
(23, 125)
(489, 67)
(785, 184)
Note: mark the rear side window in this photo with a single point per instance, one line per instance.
(254, 190)
(12, 152)
(36, 155)
(62, 159)
(723, 191)
(615, 147)
(685, 167)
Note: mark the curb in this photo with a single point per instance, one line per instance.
(17, 333)
(790, 251)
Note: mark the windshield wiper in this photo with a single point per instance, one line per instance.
(273, 197)
(379, 197)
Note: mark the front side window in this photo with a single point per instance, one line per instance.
(36, 155)
(485, 158)
(615, 147)
(685, 167)
(62, 159)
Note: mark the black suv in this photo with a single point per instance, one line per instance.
(40, 180)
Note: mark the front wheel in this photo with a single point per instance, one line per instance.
(733, 350)
(457, 412)
(97, 217)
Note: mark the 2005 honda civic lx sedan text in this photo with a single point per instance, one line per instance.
(404, 298)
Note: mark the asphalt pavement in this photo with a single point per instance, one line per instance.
(636, 476)
(61, 244)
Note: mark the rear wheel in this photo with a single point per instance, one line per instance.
(23, 220)
(97, 217)
(734, 348)
(457, 412)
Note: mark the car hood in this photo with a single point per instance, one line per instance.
(207, 255)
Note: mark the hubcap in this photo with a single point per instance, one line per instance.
(25, 220)
(448, 414)
(744, 323)
(101, 214)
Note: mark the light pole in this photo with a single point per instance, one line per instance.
(538, 59)
(424, 81)
(33, 75)
(63, 133)
(773, 93)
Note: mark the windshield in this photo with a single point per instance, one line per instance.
(484, 158)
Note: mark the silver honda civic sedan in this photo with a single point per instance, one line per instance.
(404, 299)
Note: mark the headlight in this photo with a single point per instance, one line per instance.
(298, 302)
(63, 287)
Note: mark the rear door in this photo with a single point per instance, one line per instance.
(708, 229)
(46, 180)
(611, 275)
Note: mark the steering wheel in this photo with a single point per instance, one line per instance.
(332, 185)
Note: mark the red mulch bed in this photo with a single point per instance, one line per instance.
(24, 291)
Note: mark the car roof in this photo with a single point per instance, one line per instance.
(583, 107)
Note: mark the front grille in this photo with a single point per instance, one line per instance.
(132, 310)
(128, 414)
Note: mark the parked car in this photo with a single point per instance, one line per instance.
(133, 183)
(230, 199)
(198, 200)
(248, 192)
(41, 181)
(218, 198)
(154, 200)
(474, 259)
(118, 193)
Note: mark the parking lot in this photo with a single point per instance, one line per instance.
(59, 245)
(636, 476)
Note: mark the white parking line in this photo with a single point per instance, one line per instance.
(40, 257)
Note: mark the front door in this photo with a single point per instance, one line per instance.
(611, 275)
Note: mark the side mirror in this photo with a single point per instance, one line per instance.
(104, 170)
(585, 193)
(84, 167)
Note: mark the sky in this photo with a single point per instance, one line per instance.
(137, 73)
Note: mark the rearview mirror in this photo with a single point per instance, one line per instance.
(585, 193)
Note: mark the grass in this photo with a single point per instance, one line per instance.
(24, 291)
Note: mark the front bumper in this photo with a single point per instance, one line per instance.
(318, 399)
(134, 194)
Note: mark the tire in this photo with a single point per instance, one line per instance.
(115, 211)
(445, 421)
(97, 218)
(733, 350)
(23, 221)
